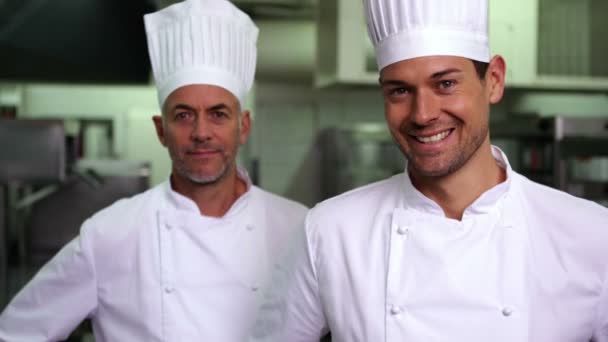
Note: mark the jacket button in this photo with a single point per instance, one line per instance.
(395, 310)
(250, 227)
(169, 289)
(507, 311)
(402, 230)
(168, 226)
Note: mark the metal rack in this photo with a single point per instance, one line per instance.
(570, 154)
(45, 195)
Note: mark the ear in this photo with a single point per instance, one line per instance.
(245, 126)
(160, 130)
(496, 78)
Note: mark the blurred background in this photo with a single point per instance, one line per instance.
(77, 96)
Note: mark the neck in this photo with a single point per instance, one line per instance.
(458, 190)
(213, 199)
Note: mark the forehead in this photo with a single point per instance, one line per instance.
(201, 96)
(425, 67)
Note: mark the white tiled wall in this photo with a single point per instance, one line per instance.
(288, 120)
(284, 130)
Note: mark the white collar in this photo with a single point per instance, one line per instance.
(177, 201)
(414, 199)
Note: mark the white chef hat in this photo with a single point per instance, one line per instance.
(202, 42)
(405, 29)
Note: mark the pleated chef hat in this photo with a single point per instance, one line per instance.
(202, 42)
(405, 29)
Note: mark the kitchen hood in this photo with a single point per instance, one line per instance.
(67, 41)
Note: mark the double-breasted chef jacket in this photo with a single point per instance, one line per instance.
(383, 263)
(151, 268)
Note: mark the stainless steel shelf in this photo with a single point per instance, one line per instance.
(555, 150)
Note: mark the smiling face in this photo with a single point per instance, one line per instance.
(437, 109)
(202, 127)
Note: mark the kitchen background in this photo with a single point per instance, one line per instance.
(80, 70)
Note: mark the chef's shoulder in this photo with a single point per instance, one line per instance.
(125, 215)
(359, 206)
(563, 207)
(581, 222)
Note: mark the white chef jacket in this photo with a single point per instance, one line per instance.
(383, 263)
(151, 268)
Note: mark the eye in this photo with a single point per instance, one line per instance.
(182, 116)
(397, 91)
(446, 84)
(219, 114)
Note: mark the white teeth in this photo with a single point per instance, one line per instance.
(434, 138)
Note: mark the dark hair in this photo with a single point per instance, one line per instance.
(481, 68)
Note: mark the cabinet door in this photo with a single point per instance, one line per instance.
(513, 35)
(345, 54)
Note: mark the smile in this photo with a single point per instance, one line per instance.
(203, 152)
(434, 138)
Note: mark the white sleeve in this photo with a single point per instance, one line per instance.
(292, 309)
(56, 300)
(601, 332)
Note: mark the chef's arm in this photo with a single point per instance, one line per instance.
(292, 310)
(601, 332)
(56, 300)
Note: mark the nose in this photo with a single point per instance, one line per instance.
(201, 130)
(425, 109)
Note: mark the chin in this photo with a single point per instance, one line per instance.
(432, 170)
(204, 179)
(439, 166)
(201, 177)
(430, 173)
(208, 177)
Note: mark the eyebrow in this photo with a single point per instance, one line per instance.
(385, 83)
(435, 76)
(443, 73)
(219, 106)
(182, 106)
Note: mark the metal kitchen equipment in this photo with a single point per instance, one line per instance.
(570, 154)
(355, 156)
